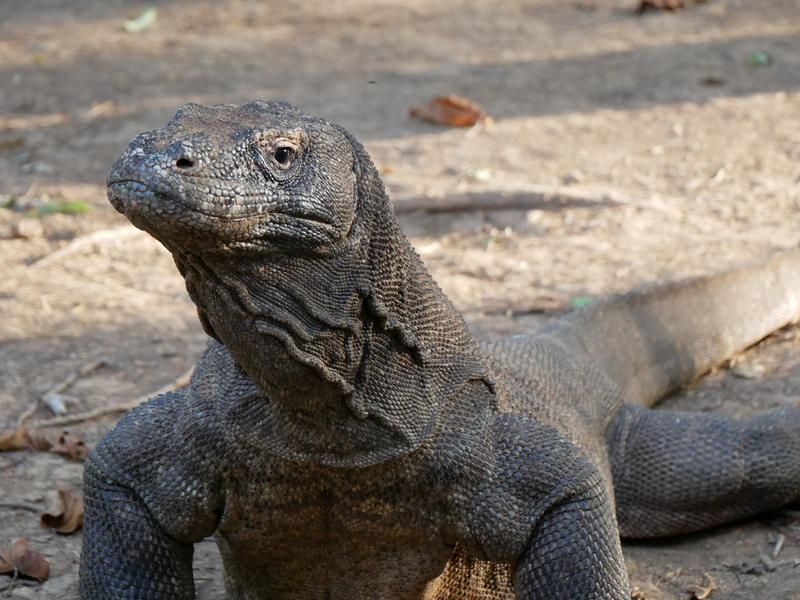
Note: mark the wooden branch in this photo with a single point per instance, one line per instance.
(59, 387)
(538, 305)
(20, 506)
(103, 411)
(544, 198)
(104, 236)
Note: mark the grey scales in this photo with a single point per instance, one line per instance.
(344, 436)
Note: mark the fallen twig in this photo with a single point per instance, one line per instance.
(27, 413)
(10, 587)
(59, 387)
(89, 415)
(546, 198)
(667, 5)
(776, 550)
(14, 581)
(104, 236)
(73, 377)
(704, 591)
(20, 506)
(768, 563)
(782, 530)
(541, 305)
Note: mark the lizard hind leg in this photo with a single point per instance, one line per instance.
(677, 472)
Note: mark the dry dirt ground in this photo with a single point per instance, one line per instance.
(681, 156)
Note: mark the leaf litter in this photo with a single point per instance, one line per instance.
(665, 5)
(450, 111)
(67, 443)
(64, 512)
(24, 560)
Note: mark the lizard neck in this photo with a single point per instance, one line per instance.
(355, 354)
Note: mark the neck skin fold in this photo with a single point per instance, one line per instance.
(354, 355)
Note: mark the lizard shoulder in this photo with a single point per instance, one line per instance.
(169, 451)
(527, 469)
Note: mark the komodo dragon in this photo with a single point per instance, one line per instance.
(344, 437)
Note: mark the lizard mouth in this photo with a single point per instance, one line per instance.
(164, 211)
(135, 194)
(132, 194)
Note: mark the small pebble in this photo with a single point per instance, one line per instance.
(574, 176)
(482, 175)
(749, 371)
(27, 229)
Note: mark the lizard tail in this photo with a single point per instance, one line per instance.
(655, 340)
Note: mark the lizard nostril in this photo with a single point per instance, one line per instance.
(184, 163)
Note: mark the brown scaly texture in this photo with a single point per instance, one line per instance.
(344, 437)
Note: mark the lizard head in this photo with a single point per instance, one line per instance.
(260, 177)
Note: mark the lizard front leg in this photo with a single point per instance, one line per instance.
(574, 552)
(545, 510)
(126, 553)
(151, 493)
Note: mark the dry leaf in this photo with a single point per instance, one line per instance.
(703, 592)
(38, 440)
(20, 438)
(27, 561)
(68, 444)
(670, 5)
(455, 111)
(71, 446)
(13, 439)
(64, 512)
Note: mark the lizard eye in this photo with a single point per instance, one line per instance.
(283, 155)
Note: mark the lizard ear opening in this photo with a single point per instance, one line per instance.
(368, 184)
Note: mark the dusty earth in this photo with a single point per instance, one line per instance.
(677, 145)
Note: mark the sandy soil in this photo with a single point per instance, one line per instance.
(683, 156)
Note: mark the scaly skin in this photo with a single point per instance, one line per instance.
(344, 436)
